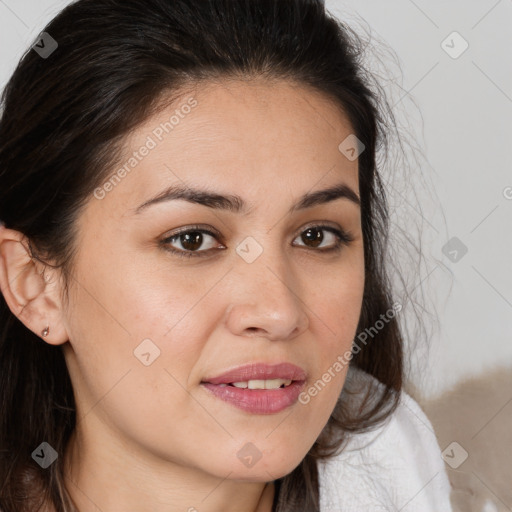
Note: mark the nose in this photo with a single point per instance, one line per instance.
(265, 301)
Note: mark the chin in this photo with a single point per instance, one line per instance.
(265, 466)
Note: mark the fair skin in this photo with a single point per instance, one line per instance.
(151, 438)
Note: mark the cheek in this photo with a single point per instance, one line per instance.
(334, 311)
(135, 342)
(126, 328)
(334, 299)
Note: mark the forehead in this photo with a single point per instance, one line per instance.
(251, 136)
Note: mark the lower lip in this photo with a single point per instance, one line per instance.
(258, 401)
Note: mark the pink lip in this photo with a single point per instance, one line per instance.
(259, 371)
(258, 401)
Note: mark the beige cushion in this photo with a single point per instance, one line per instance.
(475, 418)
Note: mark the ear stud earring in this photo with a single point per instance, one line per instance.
(45, 331)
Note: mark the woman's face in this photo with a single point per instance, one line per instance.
(259, 282)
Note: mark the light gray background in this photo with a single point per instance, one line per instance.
(462, 124)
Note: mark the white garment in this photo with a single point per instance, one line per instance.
(397, 467)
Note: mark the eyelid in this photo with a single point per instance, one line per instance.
(320, 224)
(194, 227)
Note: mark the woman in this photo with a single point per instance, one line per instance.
(193, 237)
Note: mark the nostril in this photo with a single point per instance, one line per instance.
(253, 329)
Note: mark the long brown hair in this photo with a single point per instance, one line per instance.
(63, 122)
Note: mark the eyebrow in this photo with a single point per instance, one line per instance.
(236, 204)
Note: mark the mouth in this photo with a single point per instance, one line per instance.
(258, 388)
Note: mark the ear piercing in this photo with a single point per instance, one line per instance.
(45, 331)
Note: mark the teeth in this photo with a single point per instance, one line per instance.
(262, 384)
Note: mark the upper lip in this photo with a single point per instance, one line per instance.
(259, 371)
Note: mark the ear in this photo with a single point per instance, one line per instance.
(34, 299)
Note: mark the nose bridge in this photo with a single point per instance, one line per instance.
(264, 261)
(265, 296)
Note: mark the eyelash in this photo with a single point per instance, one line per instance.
(343, 238)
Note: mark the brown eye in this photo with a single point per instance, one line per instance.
(191, 242)
(313, 237)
